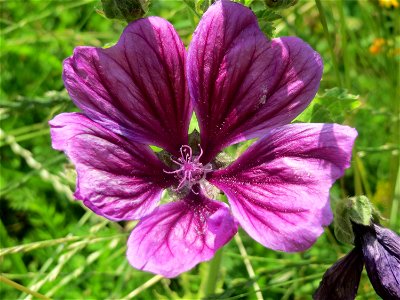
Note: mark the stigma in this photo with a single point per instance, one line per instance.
(190, 170)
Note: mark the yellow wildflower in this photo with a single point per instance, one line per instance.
(389, 3)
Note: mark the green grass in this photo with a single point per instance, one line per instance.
(53, 246)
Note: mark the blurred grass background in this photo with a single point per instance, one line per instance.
(53, 246)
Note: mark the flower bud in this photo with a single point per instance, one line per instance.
(381, 251)
(127, 10)
(342, 279)
(375, 246)
(348, 211)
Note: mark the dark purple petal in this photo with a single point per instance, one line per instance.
(117, 179)
(279, 188)
(136, 88)
(381, 258)
(243, 84)
(342, 279)
(179, 235)
(388, 239)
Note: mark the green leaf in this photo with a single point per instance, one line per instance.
(266, 18)
(332, 106)
(280, 4)
(202, 5)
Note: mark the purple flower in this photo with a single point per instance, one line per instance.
(379, 249)
(341, 280)
(241, 86)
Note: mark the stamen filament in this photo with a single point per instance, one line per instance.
(191, 171)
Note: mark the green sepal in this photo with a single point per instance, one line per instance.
(357, 210)
(360, 210)
(342, 224)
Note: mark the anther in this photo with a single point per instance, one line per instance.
(191, 171)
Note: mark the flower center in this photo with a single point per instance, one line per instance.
(191, 171)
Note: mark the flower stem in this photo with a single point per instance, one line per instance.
(395, 204)
(343, 33)
(22, 288)
(248, 266)
(210, 282)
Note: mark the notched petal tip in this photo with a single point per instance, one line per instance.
(62, 129)
(243, 84)
(179, 235)
(279, 187)
(222, 226)
(116, 86)
(116, 179)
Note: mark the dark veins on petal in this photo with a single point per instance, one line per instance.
(243, 84)
(136, 88)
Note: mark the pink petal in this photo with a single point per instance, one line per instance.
(136, 88)
(117, 179)
(279, 188)
(179, 235)
(243, 84)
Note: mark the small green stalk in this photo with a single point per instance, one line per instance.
(209, 283)
(394, 213)
(329, 39)
(22, 288)
(343, 31)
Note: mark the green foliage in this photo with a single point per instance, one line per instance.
(266, 19)
(332, 106)
(52, 245)
(202, 5)
(280, 4)
(266, 16)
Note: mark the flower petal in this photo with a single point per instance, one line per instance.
(136, 88)
(389, 239)
(279, 188)
(341, 280)
(179, 235)
(242, 83)
(117, 179)
(382, 260)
